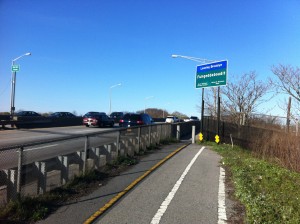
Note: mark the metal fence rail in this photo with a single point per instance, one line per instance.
(35, 168)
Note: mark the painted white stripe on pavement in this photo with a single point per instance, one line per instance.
(42, 147)
(167, 201)
(222, 218)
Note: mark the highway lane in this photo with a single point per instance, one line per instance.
(40, 152)
(23, 136)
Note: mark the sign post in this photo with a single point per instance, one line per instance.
(211, 75)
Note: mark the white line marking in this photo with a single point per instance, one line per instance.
(167, 201)
(222, 218)
(42, 147)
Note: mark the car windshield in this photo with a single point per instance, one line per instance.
(132, 117)
(92, 114)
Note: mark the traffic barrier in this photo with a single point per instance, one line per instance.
(30, 177)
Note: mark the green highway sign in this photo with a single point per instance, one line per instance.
(15, 68)
(212, 74)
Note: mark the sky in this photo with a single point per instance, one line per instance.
(81, 48)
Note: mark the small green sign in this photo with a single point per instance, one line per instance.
(211, 75)
(15, 68)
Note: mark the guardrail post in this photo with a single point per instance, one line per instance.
(193, 133)
(118, 144)
(149, 136)
(19, 176)
(160, 134)
(42, 177)
(64, 176)
(139, 138)
(178, 133)
(86, 146)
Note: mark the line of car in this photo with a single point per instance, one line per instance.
(101, 119)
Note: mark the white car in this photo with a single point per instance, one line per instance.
(171, 119)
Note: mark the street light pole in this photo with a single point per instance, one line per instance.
(13, 86)
(202, 61)
(110, 95)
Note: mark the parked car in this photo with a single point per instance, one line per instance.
(98, 119)
(27, 114)
(172, 119)
(62, 114)
(133, 119)
(117, 116)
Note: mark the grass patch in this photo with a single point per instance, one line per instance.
(27, 209)
(126, 160)
(270, 193)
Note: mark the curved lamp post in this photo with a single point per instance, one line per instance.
(13, 85)
(110, 95)
(202, 61)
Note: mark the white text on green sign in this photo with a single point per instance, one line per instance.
(212, 74)
(15, 68)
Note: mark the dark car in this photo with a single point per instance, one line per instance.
(98, 119)
(62, 114)
(27, 114)
(133, 119)
(194, 118)
(117, 116)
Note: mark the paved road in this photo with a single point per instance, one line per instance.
(185, 189)
(9, 158)
(21, 136)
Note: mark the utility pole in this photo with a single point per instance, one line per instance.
(288, 115)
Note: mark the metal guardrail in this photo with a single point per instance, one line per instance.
(37, 167)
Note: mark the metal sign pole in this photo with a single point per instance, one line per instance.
(202, 111)
(219, 113)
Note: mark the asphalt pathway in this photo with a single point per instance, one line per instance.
(184, 188)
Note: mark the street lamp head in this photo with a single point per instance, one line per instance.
(26, 54)
(115, 85)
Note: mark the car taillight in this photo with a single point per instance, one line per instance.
(140, 122)
(121, 121)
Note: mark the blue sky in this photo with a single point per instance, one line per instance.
(82, 48)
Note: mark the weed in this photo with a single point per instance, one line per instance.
(269, 192)
(29, 209)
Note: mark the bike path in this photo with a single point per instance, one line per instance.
(197, 194)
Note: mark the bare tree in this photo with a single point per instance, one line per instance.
(210, 102)
(244, 95)
(288, 80)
